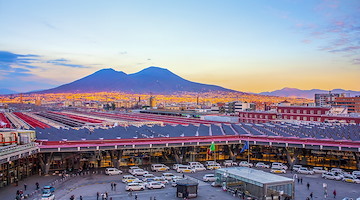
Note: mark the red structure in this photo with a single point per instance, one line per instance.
(4, 119)
(299, 113)
(353, 103)
(31, 121)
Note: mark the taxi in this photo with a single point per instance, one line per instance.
(351, 179)
(129, 178)
(278, 171)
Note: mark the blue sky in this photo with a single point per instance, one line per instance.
(250, 46)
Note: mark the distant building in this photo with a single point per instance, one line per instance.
(238, 106)
(218, 108)
(327, 99)
(152, 102)
(352, 103)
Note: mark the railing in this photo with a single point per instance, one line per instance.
(16, 148)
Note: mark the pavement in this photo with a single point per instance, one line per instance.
(87, 185)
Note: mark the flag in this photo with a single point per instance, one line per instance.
(212, 148)
(246, 146)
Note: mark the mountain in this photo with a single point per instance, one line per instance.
(153, 79)
(310, 94)
(7, 91)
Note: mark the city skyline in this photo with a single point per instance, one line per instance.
(244, 46)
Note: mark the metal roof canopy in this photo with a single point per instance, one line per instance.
(254, 176)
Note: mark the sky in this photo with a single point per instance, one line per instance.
(250, 46)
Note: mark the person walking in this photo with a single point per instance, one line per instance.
(272, 196)
(135, 196)
(311, 195)
(301, 179)
(114, 186)
(334, 193)
(308, 185)
(37, 185)
(97, 195)
(81, 197)
(25, 186)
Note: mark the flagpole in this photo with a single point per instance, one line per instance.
(248, 152)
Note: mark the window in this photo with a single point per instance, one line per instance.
(319, 119)
(319, 112)
(291, 111)
(305, 118)
(291, 117)
(311, 119)
(304, 111)
(311, 111)
(297, 118)
(298, 111)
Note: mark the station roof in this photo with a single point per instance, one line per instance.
(254, 176)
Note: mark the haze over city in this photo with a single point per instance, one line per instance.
(250, 46)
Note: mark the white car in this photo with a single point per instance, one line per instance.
(245, 164)
(296, 167)
(134, 187)
(168, 176)
(128, 178)
(139, 182)
(185, 169)
(331, 175)
(209, 178)
(174, 179)
(175, 166)
(337, 170)
(148, 177)
(155, 185)
(210, 162)
(319, 170)
(213, 166)
(138, 172)
(112, 171)
(278, 165)
(132, 168)
(229, 163)
(159, 167)
(262, 165)
(350, 179)
(305, 170)
(198, 167)
(161, 179)
(278, 171)
(356, 174)
(195, 163)
(48, 196)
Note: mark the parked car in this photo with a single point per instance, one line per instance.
(278, 165)
(168, 176)
(338, 170)
(132, 168)
(356, 174)
(112, 171)
(262, 165)
(134, 187)
(319, 170)
(278, 171)
(305, 170)
(175, 166)
(331, 175)
(214, 166)
(209, 178)
(155, 185)
(161, 179)
(245, 164)
(210, 162)
(195, 163)
(230, 163)
(185, 169)
(148, 177)
(138, 172)
(128, 178)
(198, 168)
(350, 179)
(159, 167)
(174, 179)
(296, 167)
(48, 196)
(139, 182)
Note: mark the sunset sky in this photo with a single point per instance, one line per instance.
(250, 46)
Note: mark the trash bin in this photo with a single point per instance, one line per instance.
(186, 188)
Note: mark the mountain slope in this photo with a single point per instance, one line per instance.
(310, 94)
(153, 79)
(7, 91)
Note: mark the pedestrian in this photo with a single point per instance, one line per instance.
(298, 179)
(37, 185)
(97, 195)
(106, 195)
(183, 175)
(154, 198)
(72, 197)
(311, 195)
(135, 196)
(16, 182)
(81, 197)
(308, 185)
(301, 180)
(334, 193)
(307, 198)
(25, 186)
(114, 186)
(272, 196)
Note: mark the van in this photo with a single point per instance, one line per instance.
(356, 174)
(112, 171)
(185, 169)
(277, 165)
(159, 167)
(195, 163)
(198, 167)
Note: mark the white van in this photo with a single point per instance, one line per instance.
(198, 167)
(356, 174)
(195, 163)
(185, 169)
(159, 167)
(112, 171)
(277, 165)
